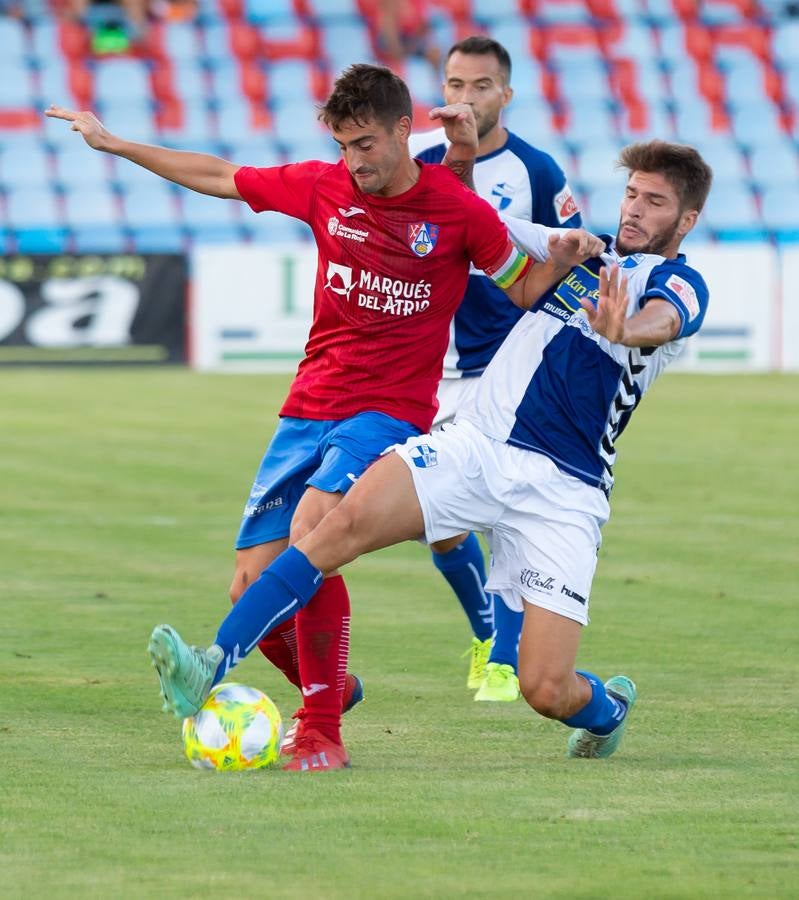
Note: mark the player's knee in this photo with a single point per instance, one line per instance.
(547, 696)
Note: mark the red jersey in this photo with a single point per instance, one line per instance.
(390, 275)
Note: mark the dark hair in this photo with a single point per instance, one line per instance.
(680, 165)
(363, 93)
(477, 45)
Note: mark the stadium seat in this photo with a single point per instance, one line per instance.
(99, 239)
(333, 11)
(726, 160)
(774, 164)
(31, 207)
(196, 126)
(603, 205)
(90, 206)
(25, 163)
(780, 205)
(153, 206)
(755, 122)
(596, 164)
(290, 79)
(271, 227)
(77, 165)
(190, 81)
(423, 82)
(132, 118)
(732, 214)
(16, 83)
(491, 12)
(124, 81)
(158, 239)
(322, 147)
(531, 120)
(346, 42)
(583, 80)
(269, 12)
(261, 151)
(182, 42)
(589, 120)
(13, 39)
(41, 240)
(201, 210)
(216, 234)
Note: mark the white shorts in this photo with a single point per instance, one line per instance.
(542, 526)
(452, 394)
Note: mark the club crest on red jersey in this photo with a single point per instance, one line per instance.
(422, 237)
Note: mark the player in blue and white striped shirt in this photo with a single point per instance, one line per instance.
(524, 182)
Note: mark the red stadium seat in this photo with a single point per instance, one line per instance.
(244, 40)
(75, 40)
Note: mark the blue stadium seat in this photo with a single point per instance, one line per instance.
(256, 151)
(234, 120)
(659, 123)
(491, 12)
(333, 11)
(129, 177)
(583, 81)
(290, 79)
(54, 84)
(322, 147)
(780, 205)
(269, 12)
(17, 88)
(292, 122)
(131, 118)
(514, 35)
(226, 81)
(201, 210)
(198, 126)
(25, 163)
(45, 43)
(596, 164)
(731, 213)
(531, 120)
(158, 239)
(423, 82)
(589, 120)
(272, 227)
(755, 122)
(190, 80)
(216, 234)
(77, 164)
(32, 207)
(563, 13)
(693, 121)
(182, 42)
(724, 157)
(638, 41)
(216, 41)
(526, 79)
(346, 43)
(99, 239)
(42, 240)
(154, 206)
(602, 214)
(775, 164)
(785, 40)
(121, 81)
(90, 206)
(650, 81)
(13, 39)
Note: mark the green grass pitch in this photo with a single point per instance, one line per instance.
(121, 492)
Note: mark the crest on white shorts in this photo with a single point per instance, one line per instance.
(423, 456)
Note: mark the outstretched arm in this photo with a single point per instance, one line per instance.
(198, 171)
(565, 249)
(656, 324)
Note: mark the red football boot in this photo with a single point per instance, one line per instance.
(353, 695)
(313, 752)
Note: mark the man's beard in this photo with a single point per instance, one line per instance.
(484, 126)
(656, 245)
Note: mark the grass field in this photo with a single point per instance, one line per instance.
(121, 492)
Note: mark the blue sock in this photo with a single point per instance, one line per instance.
(464, 569)
(507, 631)
(602, 713)
(284, 587)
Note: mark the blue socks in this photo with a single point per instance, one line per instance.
(507, 631)
(602, 714)
(464, 569)
(283, 587)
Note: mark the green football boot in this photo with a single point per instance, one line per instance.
(585, 745)
(478, 654)
(500, 684)
(185, 674)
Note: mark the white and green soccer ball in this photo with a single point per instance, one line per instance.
(238, 727)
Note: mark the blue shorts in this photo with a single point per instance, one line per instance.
(328, 455)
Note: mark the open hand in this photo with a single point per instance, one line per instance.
(610, 314)
(94, 132)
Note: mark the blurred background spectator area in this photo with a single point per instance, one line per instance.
(242, 79)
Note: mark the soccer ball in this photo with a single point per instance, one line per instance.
(237, 728)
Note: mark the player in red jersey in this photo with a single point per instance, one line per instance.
(395, 240)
